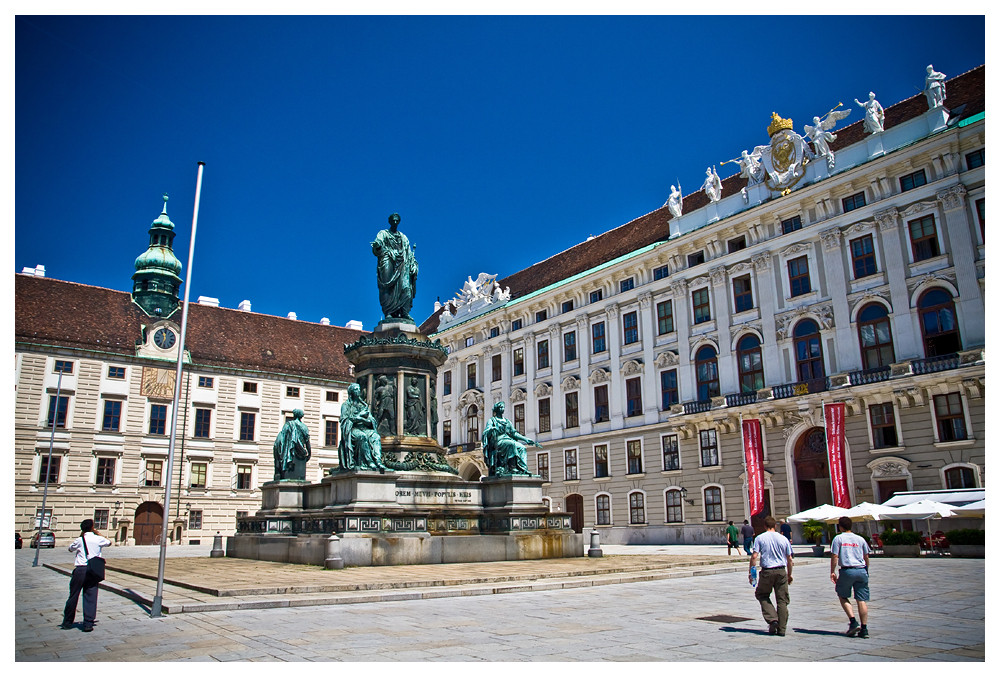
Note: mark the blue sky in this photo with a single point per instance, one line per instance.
(499, 140)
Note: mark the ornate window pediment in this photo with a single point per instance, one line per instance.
(600, 375)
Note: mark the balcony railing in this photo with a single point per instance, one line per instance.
(866, 376)
(739, 399)
(929, 365)
(697, 407)
(816, 385)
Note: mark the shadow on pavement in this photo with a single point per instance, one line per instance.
(828, 633)
(747, 631)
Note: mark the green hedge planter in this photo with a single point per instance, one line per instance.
(968, 551)
(901, 550)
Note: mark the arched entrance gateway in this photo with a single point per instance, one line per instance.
(812, 470)
(148, 523)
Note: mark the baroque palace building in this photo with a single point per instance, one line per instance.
(847, 269)
(116, 352)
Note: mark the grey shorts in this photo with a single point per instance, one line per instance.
(853, 579)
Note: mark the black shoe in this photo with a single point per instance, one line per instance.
(781, 633)
(853, 628)
(772, 628)
(66, 626)
(88, 628)
(864, 632)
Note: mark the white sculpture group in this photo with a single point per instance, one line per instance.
(482, 291)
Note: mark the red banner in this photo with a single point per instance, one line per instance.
(834, 416)
(753, 452)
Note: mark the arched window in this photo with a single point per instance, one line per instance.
(707, 373)
(960, 477)
(473, 424)
(937, 323)
(603, 504)
(713, 504)
(636, 508)
(750, 364)
(875, 335)
(808, 351)
(675, 512)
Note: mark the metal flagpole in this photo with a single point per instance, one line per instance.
(155, 611)
(48, 468)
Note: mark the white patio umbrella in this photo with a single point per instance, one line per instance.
(925, 510)
(820, 512)
(977, 509)
(867, 512)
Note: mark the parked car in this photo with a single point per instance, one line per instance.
(18, 542)
(43, 539)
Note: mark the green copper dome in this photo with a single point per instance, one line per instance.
(159, 257)
(157, 281)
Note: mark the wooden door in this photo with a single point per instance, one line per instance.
(574, 506)
(887, 488)
(148, 527)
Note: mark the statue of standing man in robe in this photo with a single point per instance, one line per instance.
(292, 449)
(397, 272)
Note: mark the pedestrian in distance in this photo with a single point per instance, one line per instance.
(786, 530)
(89, 545)
(747, 532)
(851, 552)
(775, 555)
(732, 539)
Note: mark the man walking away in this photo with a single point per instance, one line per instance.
(775, 555)
(851, 551)
(786, 530)
(732, 539)
(747, 532)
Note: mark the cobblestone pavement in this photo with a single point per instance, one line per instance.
(928, 609)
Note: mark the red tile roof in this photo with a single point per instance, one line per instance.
(968, 88)
(71, 315)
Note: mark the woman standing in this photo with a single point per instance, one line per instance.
(87, 546)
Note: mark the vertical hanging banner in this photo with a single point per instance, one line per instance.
(753, 452)
(834, 416)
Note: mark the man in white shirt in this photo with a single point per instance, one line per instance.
(775, 555)
(851, 552)
(79, 581)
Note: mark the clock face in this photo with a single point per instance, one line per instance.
(164, 338)
(158, 383)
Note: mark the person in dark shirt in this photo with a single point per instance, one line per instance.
(786, 530)
(747, 532)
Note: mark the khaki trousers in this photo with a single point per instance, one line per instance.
(776, 580)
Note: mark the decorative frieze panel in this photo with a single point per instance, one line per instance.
(718, 275)
(679, 288)
(858, 228)
(632, 367)
(797, 248)
(518, 395)
(937, 276)
(667, 358)
(918, 208)
(761, 261)
(756, 327)
(543, 390)
(739, 268)
(612, 310)
(866, 298)
(645, 300)
(831, 238)
(471, 396)
(699, 281)
(570, 383)
(822, 312)
(889, 467)
(600, 375)
(887, 219)
(952, 198)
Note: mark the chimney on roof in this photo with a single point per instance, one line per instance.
(355, 324)
(208, 301)
(37, 271)
(245, 305)
(292, 316)
(324, 320)
(437, 305)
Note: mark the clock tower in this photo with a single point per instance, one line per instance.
(156, 282)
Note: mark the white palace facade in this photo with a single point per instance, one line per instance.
(855, 276)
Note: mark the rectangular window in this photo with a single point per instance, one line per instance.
(709, 448)
(541, 316)
(569, 346)
(516, 324)
(923, 238)
(791, 225)
(630, 325)
(112, 415)
(49, 467)
(737, 244)
(633, 451)
(202, 422)
(64, 366)
(62, 406)
(495, 368)
(959, 478)
(154, 474)
(157, 419)
(572, 410)
(601, 411)
(671, 453)
(544, 417)
(636, 508)
(696, 259)
(331, 428)
(199, 475)
(446, 383)
(470, 376)
(518, 361)
(981, 212)
(446, 433)
(567, 306)
(543, 354)
(668, 389)
(742, 293)
(494, 332)
(41, 523)
(101, 516)
(675, 512)
(116, 372)
(863, 257)
(853, 202)
(542, 461)
(798, 276)
(470, 341)
(626, 285)
(713, 504)
(248, 426)
(976, 158)
(950, 417)
(250, 387)
(332, 396)
(633, 396)
(660, 273)
(105, 471)
(883, 426)
(246, 513)
(911, 181)
(519, 418)
(244, 477)
(601, 460)
(291, 391)
(194, 519)
(664, 317)
(603, 503)
(571, 473)
(700, 303)
(206, 382)
(596, 295)
(597, 332)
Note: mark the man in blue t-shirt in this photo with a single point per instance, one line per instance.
(851, 552)
(775, 555)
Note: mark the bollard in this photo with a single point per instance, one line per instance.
(217, 550)
(595, 544)
(333, 558)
